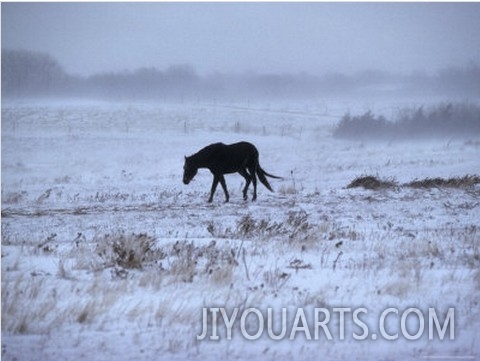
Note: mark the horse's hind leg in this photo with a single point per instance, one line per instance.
(224, 186)
(252, 169)
(248, 179)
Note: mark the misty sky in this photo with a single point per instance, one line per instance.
(317, 38)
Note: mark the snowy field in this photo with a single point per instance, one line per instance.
(107, 255)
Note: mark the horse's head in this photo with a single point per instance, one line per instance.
(189, 171)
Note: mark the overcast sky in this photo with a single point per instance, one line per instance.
(317, 38)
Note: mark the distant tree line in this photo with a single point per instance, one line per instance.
(27, 73)
(34, 74)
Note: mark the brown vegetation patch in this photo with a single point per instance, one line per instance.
(455, 182)
(374, 183)
(371, 182)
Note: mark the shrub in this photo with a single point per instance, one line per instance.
(363, 126)
(445, 119)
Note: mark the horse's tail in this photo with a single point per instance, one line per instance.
(262, 175)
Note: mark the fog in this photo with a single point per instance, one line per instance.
(278, 38)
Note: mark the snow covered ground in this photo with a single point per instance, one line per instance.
(106, 255)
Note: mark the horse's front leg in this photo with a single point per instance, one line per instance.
(224, 186)
(214, 188)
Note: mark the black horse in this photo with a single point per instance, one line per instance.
(222, 159)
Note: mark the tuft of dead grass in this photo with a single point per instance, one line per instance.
(128, 251)
(371, 182)
(188, 260)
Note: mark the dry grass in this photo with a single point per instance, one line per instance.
(128, 251)
(393, 268)
(374, 183)
(455, 182)
(164, 283)
(371, 182)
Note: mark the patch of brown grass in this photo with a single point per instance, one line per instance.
(374, 183)
(455, 182)
(371, 182)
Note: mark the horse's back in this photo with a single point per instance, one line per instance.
(244, 147)
(237, 148)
